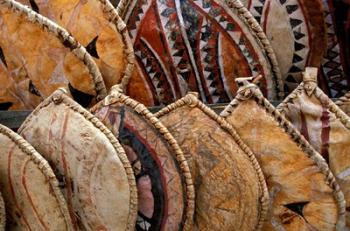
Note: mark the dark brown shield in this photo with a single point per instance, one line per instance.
(39, 57)
(196, 45)
(304, 193)
(324, 125)
(231, 193)
(164, 183)
(29, 187)
(95, 175)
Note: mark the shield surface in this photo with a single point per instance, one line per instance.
(40, 57)
(97, 26)
(29, 187)
(304, 193)
(164, 183)
(196, 45)
(324, 125)
(231, 193)
(95, 175)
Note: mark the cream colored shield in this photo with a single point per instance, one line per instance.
(39, 57)
(231, 193)
(324, 125)
(164, 183)
(303, 191)
(29, 187)
(95, 175)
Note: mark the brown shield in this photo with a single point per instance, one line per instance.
(304, 193)
(95, 175)
(97, 26)
(231, 193)
(40, 57)
(196, 45)
(164, 183)
(324, 125)
(29, 187)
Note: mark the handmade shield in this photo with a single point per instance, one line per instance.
(97, 26)
(194, 45)
(29, 187)
(324, 125)
(231, 193)
(296, 29)
(164, 183)
(304, 194)
(95, 175)
(40, 57)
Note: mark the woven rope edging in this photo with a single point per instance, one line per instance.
(192, 100)
(116, 96)
(59, 97)
(65, 38)
(251, 91)
(43, 166)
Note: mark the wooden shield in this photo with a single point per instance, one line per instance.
(196, 45)
(40, 57)
(164, 183)
(95, 175)
(296, 30)
(231, 193)
(29, 187)
(97, 26)
(304, 193)
(324, 125)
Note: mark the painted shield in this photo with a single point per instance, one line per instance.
(231, 193)
(94, 173)
(324, 125)
(40, 57)
(297, 33)
(196, 45)
(164, 183)
(29, 187)
(304, 193)
(97, 26)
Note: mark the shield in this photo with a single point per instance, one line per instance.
(95, 175)
(323, 124)
(29, 187)
(97, 26)
(40, 57)
(304, 193)
(231, 193)
(196, 45)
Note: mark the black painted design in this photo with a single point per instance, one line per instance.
(82, 98)
(34, 5)
(91, 48)
(297, 207)
(5, 106)
(2, 57)
(33, 89)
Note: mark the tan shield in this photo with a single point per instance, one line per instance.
(196, 45)
(231, 193)
(29, 187)
(304, 194)
(164, 183)
(97, 26)
(324, 125)
(95, 175)
(40, 57)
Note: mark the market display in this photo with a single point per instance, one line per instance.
(95, 175)
(164, 183)
(304, 193)
(230, 188)
(29, 187)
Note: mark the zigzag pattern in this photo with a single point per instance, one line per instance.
(138, 13)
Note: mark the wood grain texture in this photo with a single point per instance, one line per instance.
(326, 127)
(94, 173)
(230, 189)
(164, 183)
(97, 26)
(40, 57)
(304, 194)
(29, 187)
